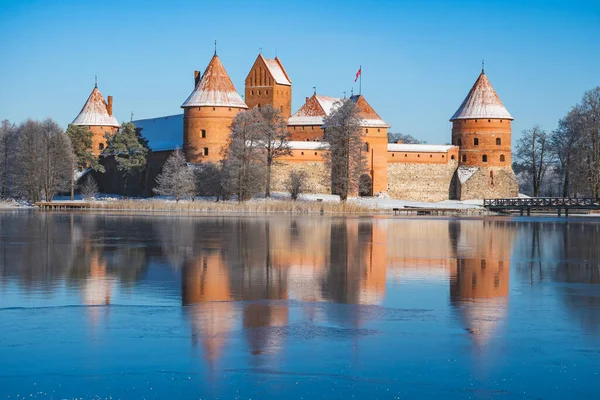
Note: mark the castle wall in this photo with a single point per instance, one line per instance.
(306, 133)
(421, 181)
(318, 176)
(488, 183)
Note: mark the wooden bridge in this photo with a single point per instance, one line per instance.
(557, 204)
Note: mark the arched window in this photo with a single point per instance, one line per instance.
(101, 146)
(484, 158)
(498, 141)
(452, 157)
(476, 142)
(464, 158)
(502, 158)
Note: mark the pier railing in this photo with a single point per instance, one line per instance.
(542, 203)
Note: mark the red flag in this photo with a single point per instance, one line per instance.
(358, 74)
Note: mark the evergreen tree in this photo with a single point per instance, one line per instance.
(176, 179)
(129, 149)
(81, 143)
(345, 156)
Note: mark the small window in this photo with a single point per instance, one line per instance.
(367, 147)
(502, 158)
(203, 133)
(484, 158)
(489, 120)
(405, 155)
(229, 108)
(378, 130)
(393, 154)
(252, 91)
(476, 142)
(443, 156)
(315, 153)
(214, 109)
(259, 92)
(367, 130)
(452, 157)
(302, 153)
(464, 158)
(266, 91)
(418, 156)
(101, 146)
(205, 151)
(498, 141)
(431, 156)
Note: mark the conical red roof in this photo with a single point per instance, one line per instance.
(215, 89)
(95, 112)
(482, 102)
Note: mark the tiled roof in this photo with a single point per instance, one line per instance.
(215, 89)
(95, 113)
(482, 102)
(318, 107)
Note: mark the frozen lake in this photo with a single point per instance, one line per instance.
(272, 307)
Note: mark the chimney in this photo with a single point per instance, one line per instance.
(109, 106)
(196, 78)
(306, 100)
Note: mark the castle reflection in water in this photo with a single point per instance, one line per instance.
(249, 274)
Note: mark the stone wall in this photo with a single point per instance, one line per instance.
(421, 182)
(318, 177)
(487, 183)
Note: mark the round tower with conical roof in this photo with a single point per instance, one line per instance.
(481, 127)
(97, 115)
(208, 113)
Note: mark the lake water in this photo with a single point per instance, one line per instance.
(289, 307)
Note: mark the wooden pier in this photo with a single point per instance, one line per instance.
(558, 204)
(62, 205)
(428, 211)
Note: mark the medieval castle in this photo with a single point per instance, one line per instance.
(476, 165)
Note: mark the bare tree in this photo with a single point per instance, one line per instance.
(295, 183)
(274, 134)
(563, 144)
(345, 156)
(57, 159)
(590, 130)
(245, 156)
(210, 180)
(89, 188)
(43, 160)
(534, 156)
(404, 138)
(7, 157)
(176, 179)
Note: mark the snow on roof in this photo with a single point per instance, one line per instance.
(163, 133)
(420, 148)
(95, 112)
(482, 102)
(465, 173)
(215, 89)
(318, 107)
(304, 145)
(276, 69)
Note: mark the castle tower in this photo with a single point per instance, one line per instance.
(481, 127)
(268, 83)
(208, 113)
(97, 115)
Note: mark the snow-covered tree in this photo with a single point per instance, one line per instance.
(345, 156)
(295, 183)
(244, 165)
(274, 134)
(176, 179)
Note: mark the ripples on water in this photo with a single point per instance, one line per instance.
(101, 305)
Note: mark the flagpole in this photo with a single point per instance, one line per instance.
(360, 83)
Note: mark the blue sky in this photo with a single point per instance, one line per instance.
(419, 58)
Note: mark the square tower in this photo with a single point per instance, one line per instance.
(268, 83)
